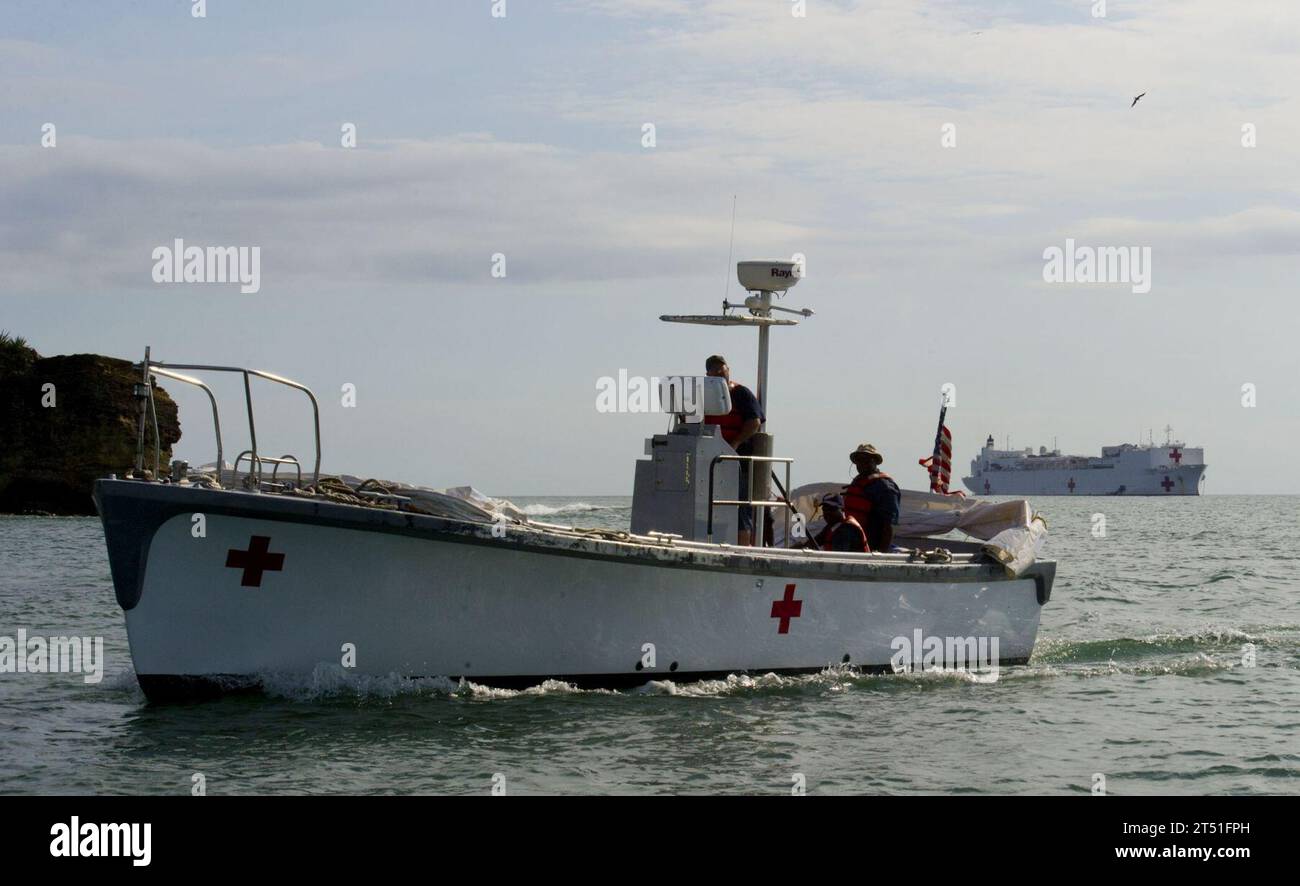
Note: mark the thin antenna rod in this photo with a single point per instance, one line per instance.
(726, 280)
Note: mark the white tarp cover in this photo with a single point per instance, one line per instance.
(925, 513)
(1016, 548)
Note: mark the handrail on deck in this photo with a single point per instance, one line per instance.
(255, 464)
(767, 459)
(212, 398)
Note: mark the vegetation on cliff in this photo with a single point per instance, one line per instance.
(65, 422)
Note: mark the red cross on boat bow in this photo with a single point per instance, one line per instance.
(254, 561)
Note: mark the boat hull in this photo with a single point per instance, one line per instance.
(382, 593)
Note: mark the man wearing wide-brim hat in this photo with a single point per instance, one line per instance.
(873, 498)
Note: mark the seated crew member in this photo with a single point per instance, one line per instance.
(873, 498)
(743, 421)
(841, 533)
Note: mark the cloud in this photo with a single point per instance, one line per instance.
(827, 128)
(88, 213)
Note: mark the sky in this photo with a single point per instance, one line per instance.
(922, 156)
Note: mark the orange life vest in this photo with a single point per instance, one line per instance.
(856, 502)
(731, 423)
(826, 537)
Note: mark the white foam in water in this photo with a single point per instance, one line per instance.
(1195, 664)
(951, 675)
(577, 507)
(1208, 635)
(836, 678)
(332, 680)
(547, 687)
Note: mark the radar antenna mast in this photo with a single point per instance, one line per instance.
(761, 279)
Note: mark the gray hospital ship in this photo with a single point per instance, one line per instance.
(1126, 469)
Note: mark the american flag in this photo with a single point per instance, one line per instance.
(939, 464)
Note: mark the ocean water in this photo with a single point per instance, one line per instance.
(1168, 662)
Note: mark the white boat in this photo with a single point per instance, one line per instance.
(229, 576)
(1126, 469)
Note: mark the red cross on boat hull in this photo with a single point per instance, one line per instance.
(786, 608)
(254, 561)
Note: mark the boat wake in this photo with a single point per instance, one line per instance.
(838, 678)
(331, 681)
(1209, 641)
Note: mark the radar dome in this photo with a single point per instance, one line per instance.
(767, 276)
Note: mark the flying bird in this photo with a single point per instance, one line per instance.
(1135, 100)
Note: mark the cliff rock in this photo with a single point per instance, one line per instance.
(50, 455)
